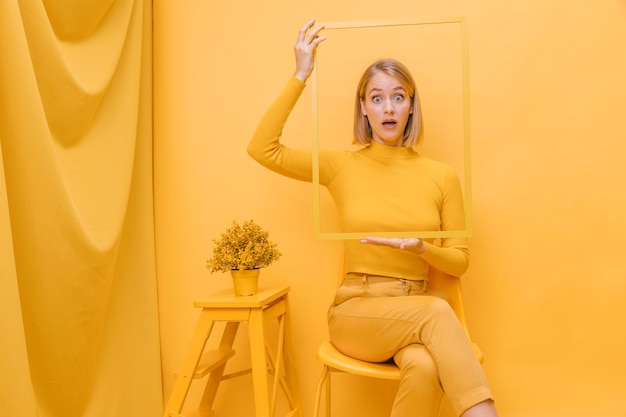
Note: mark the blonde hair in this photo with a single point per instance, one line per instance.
(397, 70)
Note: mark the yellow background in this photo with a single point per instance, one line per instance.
(545, 290)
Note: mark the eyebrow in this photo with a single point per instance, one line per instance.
(380, 89)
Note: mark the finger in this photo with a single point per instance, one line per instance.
(315, 31)
(304, 29)
(372, 240)
(316, 41)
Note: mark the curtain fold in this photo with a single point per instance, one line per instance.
(76, 136)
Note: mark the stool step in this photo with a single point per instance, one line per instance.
(210, 360)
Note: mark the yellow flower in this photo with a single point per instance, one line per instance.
(243, 247)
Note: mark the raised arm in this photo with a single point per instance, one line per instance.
(265, 146)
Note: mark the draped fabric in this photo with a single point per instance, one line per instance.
(78, 298)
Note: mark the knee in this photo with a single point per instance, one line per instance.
(440, 309)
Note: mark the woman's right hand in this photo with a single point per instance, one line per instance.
(411, 244)
(305, 47)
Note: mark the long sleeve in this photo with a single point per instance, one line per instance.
(265, 146)
(452, 257)
(451, 260)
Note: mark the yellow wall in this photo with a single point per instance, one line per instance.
(546, 286)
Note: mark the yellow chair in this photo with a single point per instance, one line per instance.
(447, 286)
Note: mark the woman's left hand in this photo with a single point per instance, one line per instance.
(412, 244)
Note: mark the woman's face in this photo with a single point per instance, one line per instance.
(387, 107)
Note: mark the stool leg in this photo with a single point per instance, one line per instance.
(194, 352)
(273, 365)
(290, 364)
(215, 377)
(259, 368)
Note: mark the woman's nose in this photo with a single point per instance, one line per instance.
(389, 107)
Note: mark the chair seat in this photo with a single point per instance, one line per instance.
(333, 358)
(329, 355)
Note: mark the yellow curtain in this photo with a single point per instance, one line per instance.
(78, 302)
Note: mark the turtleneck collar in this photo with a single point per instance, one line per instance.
(385, 151)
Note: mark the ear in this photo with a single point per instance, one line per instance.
(363, 111)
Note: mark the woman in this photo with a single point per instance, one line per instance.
(382, 309)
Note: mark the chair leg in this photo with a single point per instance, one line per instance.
(328, 378)
(324, 382)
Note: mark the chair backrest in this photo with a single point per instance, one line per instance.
(451, 287)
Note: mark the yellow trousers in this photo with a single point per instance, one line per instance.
(377, 319)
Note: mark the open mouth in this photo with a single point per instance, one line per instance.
(389, 124)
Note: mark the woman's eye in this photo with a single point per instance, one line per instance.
(377, 99)
(398, 97)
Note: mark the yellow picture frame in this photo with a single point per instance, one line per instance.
(467, 183)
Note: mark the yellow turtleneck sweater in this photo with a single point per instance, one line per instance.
(378, 188)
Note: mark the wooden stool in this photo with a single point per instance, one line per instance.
(256, 310)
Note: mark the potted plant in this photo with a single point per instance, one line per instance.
(243, 250)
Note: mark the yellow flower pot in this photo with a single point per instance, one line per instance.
(245, 281)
